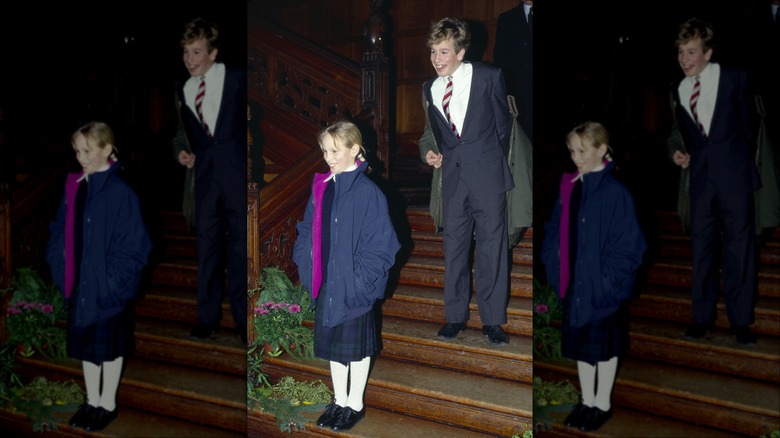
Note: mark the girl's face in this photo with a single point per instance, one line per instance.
(91, 157)
(338, 156)
(586, 157)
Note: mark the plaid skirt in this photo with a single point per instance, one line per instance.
(100, 342)
(598, 341)
(350, 341)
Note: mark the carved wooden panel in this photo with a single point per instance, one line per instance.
(309, 98)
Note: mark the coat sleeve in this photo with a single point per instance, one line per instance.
(302, 248)
(129, 249)
(551, 248)
(55, 249)
(622, 253)
(375, 252)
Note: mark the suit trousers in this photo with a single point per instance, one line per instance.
(470, 212)
(730, 215)
(221, 219)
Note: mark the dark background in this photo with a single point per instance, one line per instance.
(66, 64)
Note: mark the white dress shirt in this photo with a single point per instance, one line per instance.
(708, 94)
(461, 90)
(215, 83)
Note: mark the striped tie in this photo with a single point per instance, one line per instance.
(199, 104)
(694, 101)
(445, 104)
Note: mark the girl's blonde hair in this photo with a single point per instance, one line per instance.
(97, 134)
(593, 134)
(344, 133)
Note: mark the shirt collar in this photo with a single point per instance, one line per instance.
(350, 169)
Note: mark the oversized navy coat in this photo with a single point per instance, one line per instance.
(610, 247)
(115, 246)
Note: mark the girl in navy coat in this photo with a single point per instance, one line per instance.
(346, 245)
(592, 248)
(97, 249)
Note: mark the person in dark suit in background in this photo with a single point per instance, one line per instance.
(213, 106)
(469, 119)
(513, 53)
(713, 111)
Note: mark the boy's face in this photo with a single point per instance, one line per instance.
(692, 57)
(197, 57)
(339, 157)
(586, 157)
(445, 59)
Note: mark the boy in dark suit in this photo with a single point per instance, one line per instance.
(469, 121)
(712, 110)
(213, 106)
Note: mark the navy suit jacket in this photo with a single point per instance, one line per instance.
(221, 158)
(725, 156)
(479, 156)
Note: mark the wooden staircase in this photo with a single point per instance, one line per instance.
(172, 386)
(669, 386)
(421, 385)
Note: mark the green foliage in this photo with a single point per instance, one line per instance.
(32, 314)
(280, 310)
(774, 434)
(547, 309)
(552, 397)
(257, 385)
(41, 399)
(8, 377)
(288, 399)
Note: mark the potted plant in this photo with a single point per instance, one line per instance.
(282, 315)
(32, 315)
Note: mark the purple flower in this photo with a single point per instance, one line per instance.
(261, 311)
(13, 311)
(278, 305)
(541, 308)
(47, 308)
(294, 308)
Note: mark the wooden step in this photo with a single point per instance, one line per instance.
(421, 303)
(674, 304)
(129, 423)
(179, 272)
(630, 423)
(679, 246)
(179, 246)
(678, 271)
(482, 404)
(429, 244)
(429, 271)
(718, 351)
(417, 342)
(178, 304)
(741, 406)
(419, 218)
(378, 423)
(169, 341)
(205, 397)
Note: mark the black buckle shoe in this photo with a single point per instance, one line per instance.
(577, 416)
(348, 419)
(496, 334)
(594, 419)
(450, 330)
(82, 416)
(330, 415)
(101, 419)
